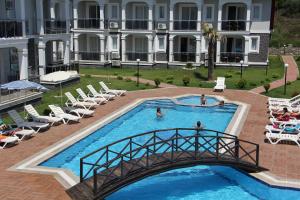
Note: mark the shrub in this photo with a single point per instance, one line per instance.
(115, 74)
(267, 80)
(186, 80)
(289, 83)
(275, 76)
(237, 73)
(136, 74)
(295, 93)
(120, 77)
(228, 75)
(147, 84)
(189, 65)
(170, 77)
(157, 82)
(252, 84)
(241, 84)
(267, 87)
(143, 87)
(298, 78)
(87, 76)
(128, 79)
(46, 112)
(262, 82)
(200, 84)
(170, 81)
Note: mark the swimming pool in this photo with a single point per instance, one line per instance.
(203, 182)
(195, 100)
(142, 119)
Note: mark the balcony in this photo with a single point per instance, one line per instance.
(231, 57)
(184, 56)
(87, 55)
(137, 24)
(233, 25)
(111, 24)
(55, 26)
(132, 56)
(10, 28)
(185, 24)
(88, 23)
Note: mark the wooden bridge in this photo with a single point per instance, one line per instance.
(126, 161)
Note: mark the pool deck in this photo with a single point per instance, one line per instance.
(283, 160)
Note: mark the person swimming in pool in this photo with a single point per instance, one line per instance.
(203, 100)
(221, 103)
(158, 113)
(199, 125)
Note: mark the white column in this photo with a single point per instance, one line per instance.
(75, 14)
(54, 50)
(101, 13)
(42, 58)
(150, 17)
(23, 17)
(199, 14)
(52, 9)
(23, 63)
(40, 17)
(123, 16)
(76, 47)
(248, 17)
(67, 12)
(220, 16)
(171, 27)
(123, 39)
(67, 52)
(102, 45)
(198, 49)
(218, 52)
(150, 48)
(171, 47)
(247, 42)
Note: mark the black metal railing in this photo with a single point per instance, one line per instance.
(87, 55)
(132, 56)
(140, 24)
(231, 57)
(55, 26)
(107, 168)
(88, 23)
(59, 66)
(184, 56)
(185, 24)
(10, 28)
(234, 25)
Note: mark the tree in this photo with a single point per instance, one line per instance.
(212, 37)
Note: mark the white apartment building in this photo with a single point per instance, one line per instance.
(37, 36)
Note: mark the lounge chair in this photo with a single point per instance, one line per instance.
(275, 138)
(80, 112)
(94, 93)
(8, 140)
(38, 118)
(58, 112)
(284, 128)
(220, 84)
(106, 90)
(84, 97)
(283, 100)
(21, 123)
(75, 103)
(294, 103)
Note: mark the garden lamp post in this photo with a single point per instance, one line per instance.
(242, 62)
(285, 76)
(284, 46)
(267, 67)
(138, 72)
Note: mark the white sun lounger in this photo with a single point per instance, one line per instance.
(94, 93)
(220, 84)
(80, 112)
(294, 103)
(21, 123)
(285, 128)
(84, 97)
(275, 138)
(58, 112)
(110, 91)
(75, 103)
(283, 100)
(38, 118)
(8, 140)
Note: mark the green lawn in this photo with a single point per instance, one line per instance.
(255, 76)
(291, 90)
(53, 96)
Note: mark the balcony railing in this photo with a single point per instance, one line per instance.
(184, 56)
(10, 28)
(112, 24)
(132, 56)
(55, 26)
(84, 55)
(234, 25)
(185, 24)
(161, 25)
(231, 57)
(140, 24)
(88, 23)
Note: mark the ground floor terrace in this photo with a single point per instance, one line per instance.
(282, 160)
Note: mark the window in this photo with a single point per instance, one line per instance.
(208, 12)
(114, 12)
(114, 43)
(254, 44)
(256, 11)
(10, 8)
(161, 43)
(161, 12)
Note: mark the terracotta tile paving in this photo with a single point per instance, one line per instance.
(282, 159)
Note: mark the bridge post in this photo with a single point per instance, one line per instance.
(154, 141)
(81, 170)
(196, 144)
(217, 146)
(176, 135)
(237, 148)
(257, 155)
(95, 190)
(130, 148)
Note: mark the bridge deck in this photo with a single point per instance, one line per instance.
(136, 169)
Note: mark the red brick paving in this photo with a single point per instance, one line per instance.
(282, 159)
(292, 74)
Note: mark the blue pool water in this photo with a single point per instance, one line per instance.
(195, 100)
(142, 119)
(203, 182)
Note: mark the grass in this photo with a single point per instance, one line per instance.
(53, 96)
(291, 89)
(255, 76)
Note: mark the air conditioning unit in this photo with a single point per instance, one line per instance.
(115, 55)
(161, 26)
(113, 25)
(115, 63)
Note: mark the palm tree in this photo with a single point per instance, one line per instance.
(212, 37)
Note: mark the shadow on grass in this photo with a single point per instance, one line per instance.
(199, 76)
